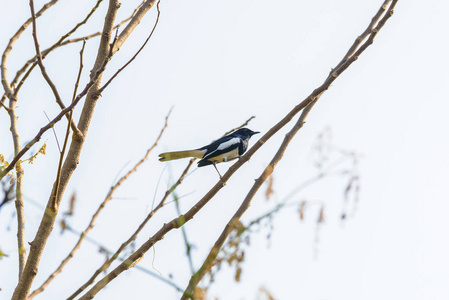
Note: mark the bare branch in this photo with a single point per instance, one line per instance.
(137, 53)
(106, 265)
(58, 44)
(37, 246)
(96, 75)
(208, 262)
(44, 72)
(175, 223)
(184, 236)
(14, 38)
(241, 126)
(135, 20)
(19, 188)
(16, 140)
(108, 197)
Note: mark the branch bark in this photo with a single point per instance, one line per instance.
(208, 263)
(372, 30)
(48, 219)
(97, 213)
(182, 219)
(14, 38)
(44, 71)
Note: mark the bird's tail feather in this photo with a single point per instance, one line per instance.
(166, 156)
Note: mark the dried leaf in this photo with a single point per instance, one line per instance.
(71, 210)
(302, 206)
(264, 291)
(321, 215)
(200, 293)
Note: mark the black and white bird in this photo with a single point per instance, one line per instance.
(224, 149)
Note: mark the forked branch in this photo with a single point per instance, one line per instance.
(175, 223)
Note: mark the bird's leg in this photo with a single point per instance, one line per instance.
(217, 170)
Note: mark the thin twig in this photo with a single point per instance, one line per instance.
(61, 42)
(42, 235)
(184, 236)
(44, 71)
(108, 197)
(135, 55)
(19, 188)
(106, 264)
(54, 132)
(47, 282)
(38, 136)
(6, 86)
(19, 171)
(241, 126)
(175, 223)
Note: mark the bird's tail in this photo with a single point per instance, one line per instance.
(166, 156)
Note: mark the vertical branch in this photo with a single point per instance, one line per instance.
(184, 236)
(99, 210)
(71, 161)
(19, 188)
(43, 70)
(16, 139)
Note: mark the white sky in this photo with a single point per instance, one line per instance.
(218, 63)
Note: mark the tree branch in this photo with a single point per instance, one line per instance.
(14, 38)
(44, 71)
(61, 42)
(135, 20)
(19, 188)
(37, 246)
(108, 197)
(161, 204)
(175, 223)
(208, 263)
(135, 55)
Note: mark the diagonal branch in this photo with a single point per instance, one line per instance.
(137, 53)
(61, 42)
(175, 223)
(97, 213)
(108, 263)
(44, 72)
(48, 219)
(209, 261)
(55, 120)
(135, 20)
(14, 38)
(16, 140)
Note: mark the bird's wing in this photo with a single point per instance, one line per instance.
(222, 146)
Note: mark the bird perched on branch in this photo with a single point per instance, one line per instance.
(224, 149)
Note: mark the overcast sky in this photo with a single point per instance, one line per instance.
(217, 63)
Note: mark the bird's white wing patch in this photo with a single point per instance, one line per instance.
(228, 144)
(224, 146)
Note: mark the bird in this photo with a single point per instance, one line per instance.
(224, 149)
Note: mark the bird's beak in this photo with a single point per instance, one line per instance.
(255, 132)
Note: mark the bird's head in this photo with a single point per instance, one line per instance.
(245, 133)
